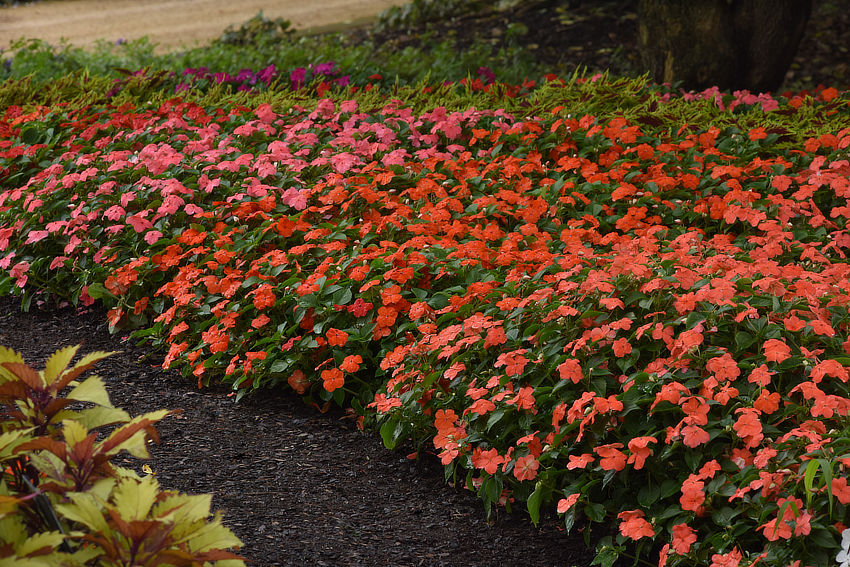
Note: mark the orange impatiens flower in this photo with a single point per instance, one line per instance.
(580, 461)
(692, 494)
(841, 490)
(760, 375)
(570, 369)
(495, 336)
(730, 559)
(640, 451)
(633, 525)
(333, 379)
(767, 402)
(611, 458)
(694, 436)
(514, 362)
(216, 338)
(748, 427)
(336, 337)
(622, 347)
(723, 367)
(298, 382)
(263, 297)
(776, 350)
(351, 363)
(383, 404)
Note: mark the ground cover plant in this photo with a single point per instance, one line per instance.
(563, 306)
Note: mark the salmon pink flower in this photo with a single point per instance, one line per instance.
(564, 504)
(634, 526)
(526, 468)
(488, 460)
(683, 537)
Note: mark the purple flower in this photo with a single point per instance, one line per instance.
(486, 74)
(324, 68)
(266, 75)
(297, 77)
(245, 75)
(223, 78)
(342, 81)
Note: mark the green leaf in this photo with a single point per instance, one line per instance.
(97, 291)
(533, 503)
(91, 390)
(94, 417)
(84, 510)
(594, 511)
(133, 499)
(58, 362)
(391, 430)
(35, 542)
(184, 508)
(649, 494)
(743, 340)
(808, 480)
(724, 516)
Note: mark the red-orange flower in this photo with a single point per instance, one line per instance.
(611, 458)
(351, 363)
(570, 369)
(333, 379)
(640, 451)
(488, 460)
(776, 350)
(579, 461)
(298, 382)
(336, 337)
(622, 347)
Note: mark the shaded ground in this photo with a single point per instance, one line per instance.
(298, 487)
(602, 34)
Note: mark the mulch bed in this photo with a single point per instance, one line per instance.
(297, 486)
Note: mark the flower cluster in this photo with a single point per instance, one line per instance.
(620, 321)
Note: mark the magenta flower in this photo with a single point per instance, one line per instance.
(297, 77)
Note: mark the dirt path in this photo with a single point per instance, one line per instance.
(171, 24)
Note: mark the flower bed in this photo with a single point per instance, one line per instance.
(629, 320)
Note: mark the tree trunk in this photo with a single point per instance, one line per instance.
(733, 44)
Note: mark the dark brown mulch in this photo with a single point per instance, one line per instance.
(601, 35)
(298, 487)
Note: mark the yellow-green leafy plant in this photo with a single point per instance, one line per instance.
(62, 502)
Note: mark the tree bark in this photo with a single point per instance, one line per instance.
(733, 44)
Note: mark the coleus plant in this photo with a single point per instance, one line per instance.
(62, 502)
(564, 307)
